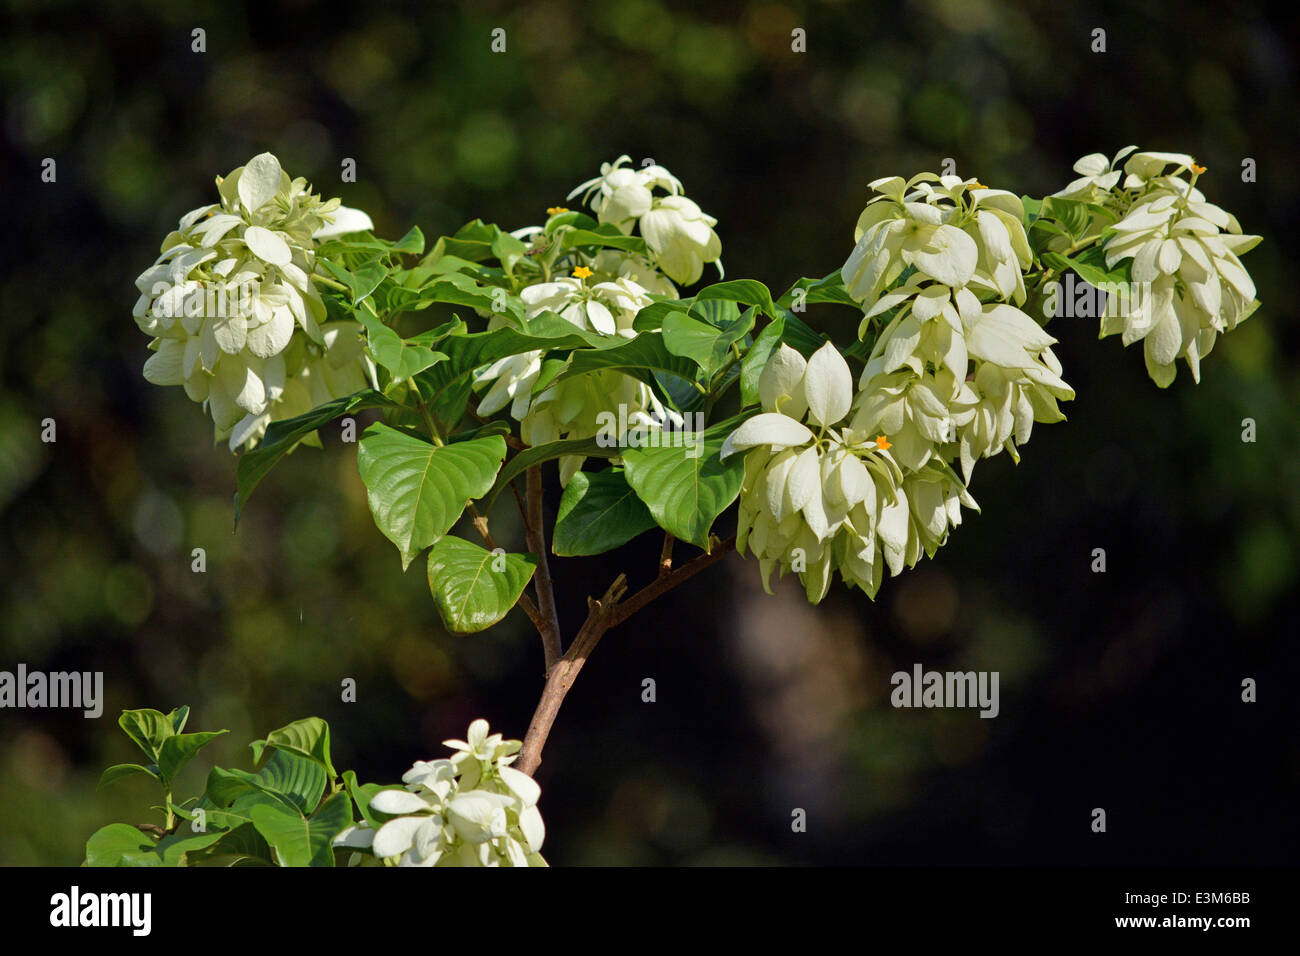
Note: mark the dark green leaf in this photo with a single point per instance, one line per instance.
(598, 512)
(586, 447)
(283, 436)
(687, 488)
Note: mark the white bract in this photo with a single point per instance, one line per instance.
(1097, 175)
(678, 233)
(473, 809)
(234, 311)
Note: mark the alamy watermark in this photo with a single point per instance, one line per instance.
(921, 688)
(1075, 298)
(76, 689)
(639, 429)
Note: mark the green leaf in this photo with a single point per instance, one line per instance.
(686, 494)
(690, 338)
(598, 512)
(360, 283)
(604, 235)
(241, 845)
(108, 845)
(178, 718)
(448, 382)
(363, 793)
(1070, 213)
(586, 447)
(472, 587)
(298, 781)
(640, 357)
(175, 847)
(744, 291)
(457, 288)
(283, 436)
(706, 344)
(1090, 266)
(651, 318)
(829, 289)
(412, 243)
(177, 750)
(767, 342)
(304, 841)
(309, 737)
(148, 728)
(416, 490)
(801, 337)
(118, 771)
(401, 358)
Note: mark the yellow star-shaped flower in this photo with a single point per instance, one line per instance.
(883, 443)
(581, 272)
(1197, 169)
(556, 210)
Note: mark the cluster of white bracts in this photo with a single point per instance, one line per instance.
(814, 502)
(236, 318)
(572, 408)
(1185, 260)
(678, 233)
(472, 810)
(960, 371)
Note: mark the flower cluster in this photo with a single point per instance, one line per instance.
(235, 314)
(473, 809)
(959, 371)
(1184, 253)
(571, 407)
(678, 233)
(815, 502)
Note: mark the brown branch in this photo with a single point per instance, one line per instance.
(603, 615)
(536, 532)
(565, 672)
(669, 581)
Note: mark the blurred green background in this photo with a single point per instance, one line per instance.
(1118, 690)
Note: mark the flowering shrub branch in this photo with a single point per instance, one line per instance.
(570, 349)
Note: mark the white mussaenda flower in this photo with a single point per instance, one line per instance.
(1097, 175)
(681, 237)
(471, 810)
(1185, 259)
(814, 502)
(230, 292)
(952, 231)
(574, 407)
(678, 233)
(917, 386)
(623, 193)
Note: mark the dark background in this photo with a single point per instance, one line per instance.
(1119, 690)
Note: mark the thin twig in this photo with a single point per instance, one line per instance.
(536, 533)
(669, 581)
(666, 555)
(602, 615)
